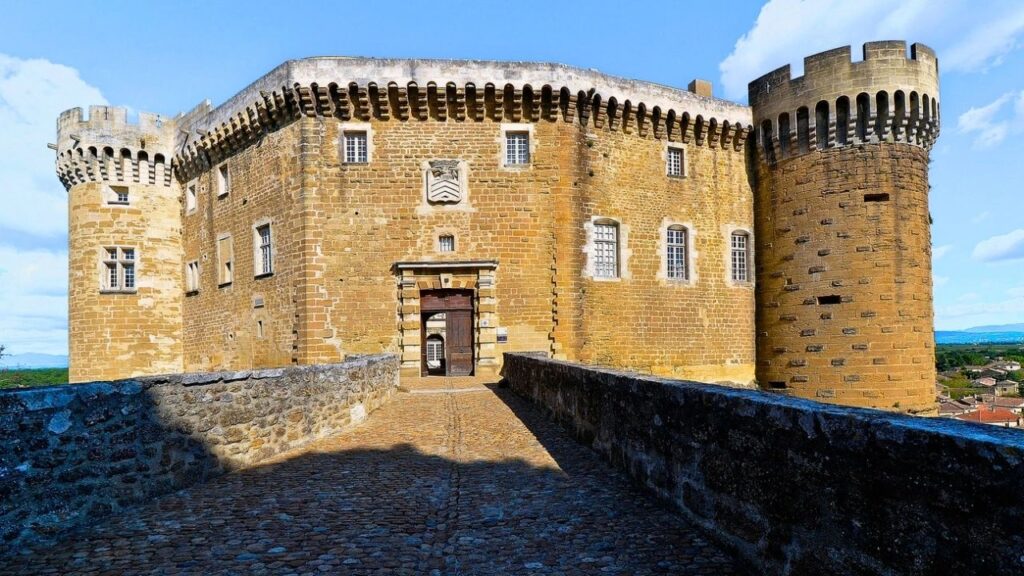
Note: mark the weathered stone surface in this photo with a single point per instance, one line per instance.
(72, 452)
(797, 487)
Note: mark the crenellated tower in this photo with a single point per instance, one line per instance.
(843, 239)
(124, 243)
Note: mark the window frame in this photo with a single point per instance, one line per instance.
(124, 265)
(747, 257)
(192, 277)
(684, 246)
(192, 197)
(350, 140)
(223, 176)
(518, 154)
(515, 130)
(113, 195)
(613, 244)
(670, 150)
(441, 243)
(261, 262)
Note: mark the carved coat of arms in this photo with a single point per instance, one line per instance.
(444, 183)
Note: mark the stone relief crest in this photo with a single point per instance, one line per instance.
(444, 181)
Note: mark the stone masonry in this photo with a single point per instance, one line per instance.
(355, 239)
(74, 453)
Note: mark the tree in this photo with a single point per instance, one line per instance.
(2, 353)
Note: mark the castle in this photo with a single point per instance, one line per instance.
(450, 211)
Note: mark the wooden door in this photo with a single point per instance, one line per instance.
(459, 342)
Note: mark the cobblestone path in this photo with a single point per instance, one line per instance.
(461, 480)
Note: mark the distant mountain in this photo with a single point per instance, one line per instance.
(965, 337)
(997, 328)
(29, 360)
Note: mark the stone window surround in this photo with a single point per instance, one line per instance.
(344, 127)
(691, 254)
(103, 261)
(731, 229)
(437, 241)
(684, 165)
(193, 280)
(624, 251)
(110, 195)
(222, 173)
(257, 258)
(193, 185)
(507, 127)
(223, 282)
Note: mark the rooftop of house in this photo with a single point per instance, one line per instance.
(991, 415)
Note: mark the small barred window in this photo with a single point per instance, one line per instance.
(675, 162)
(740, 257)
(517, 148)
(606, 250)
(356, 151)
(446, 243)
(192, 277)
(675, 253)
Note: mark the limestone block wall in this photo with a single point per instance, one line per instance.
(797, 487)
(74, 453)
(124, 331)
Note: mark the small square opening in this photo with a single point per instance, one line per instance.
(877, 197)
(830, 299)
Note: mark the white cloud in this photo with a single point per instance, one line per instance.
(939, 251)
(991, 123)
(33, 289)
(32, 94)
(969, 38)
(33, 280)
(1009, 246)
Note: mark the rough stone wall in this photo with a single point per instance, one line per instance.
(220, 322)
(797, 487)
(73, 453)
(845, 294)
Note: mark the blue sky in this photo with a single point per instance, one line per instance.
(166, 58)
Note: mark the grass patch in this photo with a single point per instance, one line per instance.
(10, 378)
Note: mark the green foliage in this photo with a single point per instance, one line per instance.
(35, 377)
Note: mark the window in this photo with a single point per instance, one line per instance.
(435, 350)
(192, 277)
(446, 243)
(190, 198)
(675, 162)
(675, 253)
(118, 195)
(606, 250)
(118, 270)
(517, 148)
(225, 260)
(259, 328)
(264, 257)
(223, 181)
(740, 256)
(356, 151)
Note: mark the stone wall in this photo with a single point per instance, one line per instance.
(72, 453)
(797, 487)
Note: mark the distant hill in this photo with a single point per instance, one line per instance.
(997, 328)
(971, 337)
(29, 360)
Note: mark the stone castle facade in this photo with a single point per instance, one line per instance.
(451, 211)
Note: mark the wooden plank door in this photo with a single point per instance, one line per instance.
(459, 342)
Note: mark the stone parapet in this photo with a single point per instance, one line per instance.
(794, 486)
(75, 452)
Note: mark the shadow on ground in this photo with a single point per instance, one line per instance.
(470, 483)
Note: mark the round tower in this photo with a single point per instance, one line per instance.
(843, 243)
(124, 235)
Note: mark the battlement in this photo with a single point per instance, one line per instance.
(107, 147)
(887, 96)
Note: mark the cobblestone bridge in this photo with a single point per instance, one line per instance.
(450, 477)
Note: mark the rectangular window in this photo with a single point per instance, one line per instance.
(356, 151)
(675, 162)
(446, 243)
(223, 181)
(264, 254)
(517, 148)
(192, 277)
(118, 270)
(606, 251)
(118, 195)
(226, 261)
(675, 254)
(740, 255)
(190, 198)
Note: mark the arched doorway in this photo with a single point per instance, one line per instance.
(454, 336)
